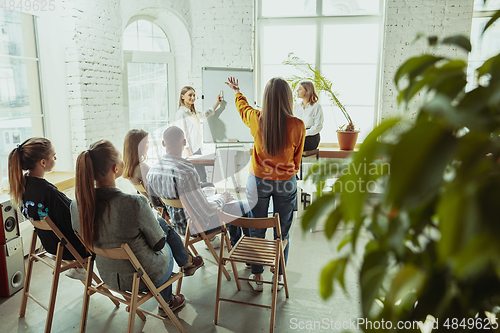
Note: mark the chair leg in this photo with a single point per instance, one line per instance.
(53, 291)
(86, 296)
(27, 280)
(275, 289)
(216, 257)
(179, 283)
(283, 268)
(220, 264)
(97, 280)
(133, 304)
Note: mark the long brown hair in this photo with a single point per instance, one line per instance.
(131, 156)
(184, 90)
(276, 109)
(92, 165)
(25, 157)
(311, 95)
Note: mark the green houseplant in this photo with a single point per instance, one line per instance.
(433, 235)
(323, 84)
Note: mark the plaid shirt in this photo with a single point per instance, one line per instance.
(174, 176)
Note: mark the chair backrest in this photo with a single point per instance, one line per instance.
(246, 222)
(114, 253)
(140, 188)
(48, 224)
(176, 203)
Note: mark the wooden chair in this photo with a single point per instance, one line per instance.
(133, 299)
(142, 190)
(251, 250)
(189, 241)
(58, 265)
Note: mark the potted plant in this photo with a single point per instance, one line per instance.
(346, 134)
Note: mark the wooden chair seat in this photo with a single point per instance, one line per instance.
(134, 298)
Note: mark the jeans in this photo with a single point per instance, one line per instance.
(175, 243)
(167, 292)
(200, 168)
(284, 195)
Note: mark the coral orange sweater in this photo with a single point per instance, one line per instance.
(283, 166)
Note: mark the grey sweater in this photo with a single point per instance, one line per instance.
(130, 220)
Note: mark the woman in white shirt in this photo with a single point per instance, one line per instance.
(190, 122)
(310, 112)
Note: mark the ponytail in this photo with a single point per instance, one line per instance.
(92, 165)
(25, 157)
(16, 177)
(85, 196)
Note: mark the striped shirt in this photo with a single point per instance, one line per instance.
(174, 176)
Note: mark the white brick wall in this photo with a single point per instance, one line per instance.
(404, 19)
(93, 67)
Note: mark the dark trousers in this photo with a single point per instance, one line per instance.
(311, 142)
(200, 169)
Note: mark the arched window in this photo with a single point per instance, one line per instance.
(148, 75)
(143, 35)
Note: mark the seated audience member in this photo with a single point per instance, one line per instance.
(38, 198)
(174, 176)
(135, 150)
(106, 218)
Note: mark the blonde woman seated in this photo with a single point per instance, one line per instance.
(106, 217)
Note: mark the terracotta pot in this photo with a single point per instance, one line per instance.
(347, 140)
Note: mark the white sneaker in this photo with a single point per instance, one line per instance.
(257, 286)
(215, 242)
(77, 273)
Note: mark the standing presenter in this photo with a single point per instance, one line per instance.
(310, 112)
(190, 122)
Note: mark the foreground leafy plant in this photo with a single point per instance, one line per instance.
(433, 236)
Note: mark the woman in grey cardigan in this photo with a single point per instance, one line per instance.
(106, 217)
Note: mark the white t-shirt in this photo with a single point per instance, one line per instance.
(311, 115)
(191, 125)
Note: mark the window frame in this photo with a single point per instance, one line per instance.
(320, 21)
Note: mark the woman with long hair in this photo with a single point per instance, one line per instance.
(37, 198)
(135, 150)
(278, 145)
(106, 217)
(310, 112)
(190, 122)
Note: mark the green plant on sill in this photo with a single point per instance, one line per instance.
(321, 83)
(433, 236)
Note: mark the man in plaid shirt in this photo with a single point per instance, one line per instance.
(174, 176)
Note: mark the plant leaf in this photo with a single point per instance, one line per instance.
(371, 277)
(492, 20)
(414, 66)
(458, 40)
(335, 269)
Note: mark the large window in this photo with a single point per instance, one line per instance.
(486, 45)
(341, 37)
(148, 79)
(21, 114)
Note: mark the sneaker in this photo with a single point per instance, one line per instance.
(77, 273)
(257, 286)
(280, 280)
(191, 267)
(177, 302)
(215, 242)
(248, 266)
